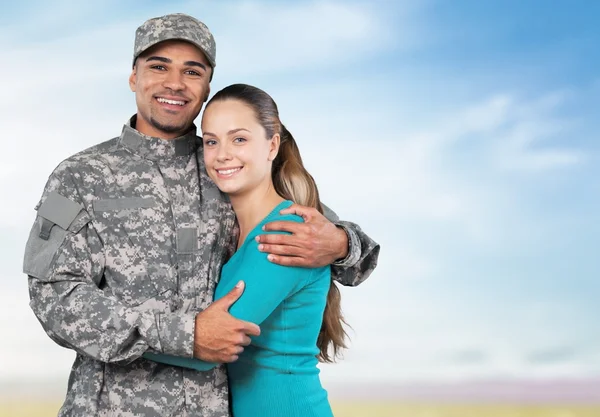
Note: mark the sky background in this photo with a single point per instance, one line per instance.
(461, 135)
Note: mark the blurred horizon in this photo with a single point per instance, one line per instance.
(509, 392)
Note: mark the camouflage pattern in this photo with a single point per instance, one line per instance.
(139, 261)
(361, 261)
(126, 249)
(175, 26)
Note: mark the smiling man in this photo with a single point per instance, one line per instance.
(130, 237)
(170, 92)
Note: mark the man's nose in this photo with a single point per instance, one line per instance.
(174, 81)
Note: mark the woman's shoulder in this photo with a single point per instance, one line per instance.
(276, 216)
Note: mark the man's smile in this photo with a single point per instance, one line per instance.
(171, 103)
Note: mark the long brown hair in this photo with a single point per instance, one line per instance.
(293, 182)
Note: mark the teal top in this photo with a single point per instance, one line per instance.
(277, 374)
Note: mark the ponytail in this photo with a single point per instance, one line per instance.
(293, 182)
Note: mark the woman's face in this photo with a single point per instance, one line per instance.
(237, 154)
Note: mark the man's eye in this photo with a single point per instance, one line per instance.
(158, 67)
(194, 73)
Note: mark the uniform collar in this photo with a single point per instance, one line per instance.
(152, 148)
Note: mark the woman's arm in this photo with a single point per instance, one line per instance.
(267, 285)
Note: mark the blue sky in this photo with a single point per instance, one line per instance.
(463, 136)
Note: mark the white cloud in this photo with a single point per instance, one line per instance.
(261, 39)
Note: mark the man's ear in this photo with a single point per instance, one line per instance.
(274, 147)
(133, 79)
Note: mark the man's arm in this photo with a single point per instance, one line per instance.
(219, 337)
(318, 241)
(64, 260)
(361, 260)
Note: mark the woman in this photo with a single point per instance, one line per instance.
(252, 157)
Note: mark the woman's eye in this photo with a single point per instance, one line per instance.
(210, 142)
(239, 140)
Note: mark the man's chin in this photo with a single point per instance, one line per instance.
(169, 126)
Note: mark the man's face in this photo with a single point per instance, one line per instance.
(171, 83)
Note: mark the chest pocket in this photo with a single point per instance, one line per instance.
(136, 239)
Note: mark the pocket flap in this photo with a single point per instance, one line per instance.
(59, 210)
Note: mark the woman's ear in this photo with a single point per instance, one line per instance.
(274, 146)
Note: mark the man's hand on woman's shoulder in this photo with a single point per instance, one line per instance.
(316, 242)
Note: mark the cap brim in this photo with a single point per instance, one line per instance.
(210, 61)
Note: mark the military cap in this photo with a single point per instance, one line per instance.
(176, 26)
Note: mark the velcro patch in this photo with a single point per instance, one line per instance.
(59, 210)
(187, 240)
(124, 203)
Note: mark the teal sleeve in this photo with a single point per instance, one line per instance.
(266, 284)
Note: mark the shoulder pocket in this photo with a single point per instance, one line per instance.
(57, 216)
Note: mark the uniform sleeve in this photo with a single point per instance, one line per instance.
(64, 260)
(363, 253)
(267, 286)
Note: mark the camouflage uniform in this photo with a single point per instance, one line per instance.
(126, 249)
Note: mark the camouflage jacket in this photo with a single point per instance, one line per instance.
(126, 249)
